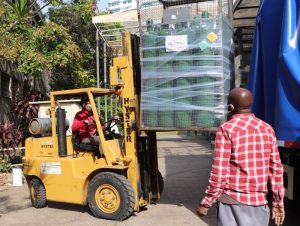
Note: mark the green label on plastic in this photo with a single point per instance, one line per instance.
(203, 45)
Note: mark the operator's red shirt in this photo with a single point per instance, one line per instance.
(246, 158)
(84, 129)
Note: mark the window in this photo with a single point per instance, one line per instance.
(115, 10)
(111, 4)
(14, 88)
(149, 4)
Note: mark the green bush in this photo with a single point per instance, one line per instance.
(5, 165)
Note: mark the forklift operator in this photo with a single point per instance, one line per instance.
(85, 124)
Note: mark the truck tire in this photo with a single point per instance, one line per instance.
(110, 196)
(37, 193)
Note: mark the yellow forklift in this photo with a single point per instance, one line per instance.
(113, 178)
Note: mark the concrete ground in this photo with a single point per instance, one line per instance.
(185, 164)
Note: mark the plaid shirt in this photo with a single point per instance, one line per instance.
(246, 158)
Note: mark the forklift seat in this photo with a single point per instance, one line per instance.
(77, 142)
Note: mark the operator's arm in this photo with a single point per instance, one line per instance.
(78, 123)
(219, 170)
(276, 175)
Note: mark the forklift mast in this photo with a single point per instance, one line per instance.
(142, 149)
(121, 77)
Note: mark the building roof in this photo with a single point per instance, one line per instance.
(123, 17)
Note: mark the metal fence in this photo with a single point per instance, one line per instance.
(169, 11)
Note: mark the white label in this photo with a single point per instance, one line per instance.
(176, 43)
(50, 168)
(173, 17)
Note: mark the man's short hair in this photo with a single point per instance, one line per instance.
(84, 99)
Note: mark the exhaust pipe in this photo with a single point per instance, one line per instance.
(61, 132)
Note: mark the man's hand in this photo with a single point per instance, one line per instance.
(88, 122)
(278, 214)
(202, 210)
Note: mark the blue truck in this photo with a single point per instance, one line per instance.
(274, 80)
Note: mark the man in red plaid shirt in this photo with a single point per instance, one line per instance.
(246, 158)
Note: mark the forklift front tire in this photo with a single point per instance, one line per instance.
(37, 193)
(110, 196)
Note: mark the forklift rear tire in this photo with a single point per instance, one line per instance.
(37, 193)
(110, 196)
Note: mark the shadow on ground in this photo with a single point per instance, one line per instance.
(12, 202)
(187, 168)
(186, 176)
(68, 206)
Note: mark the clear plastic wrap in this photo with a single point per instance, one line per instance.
(186, 74)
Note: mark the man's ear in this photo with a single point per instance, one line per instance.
(230, 107)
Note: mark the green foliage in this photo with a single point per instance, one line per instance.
(35, 49)
(65, 46)
(85, 8)
(22, 8)
(5, 165)
(114, 109)
(62, 78)
(25, 9)
(9, 41)
(77, 19)
(50, 46)
(19, 11)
